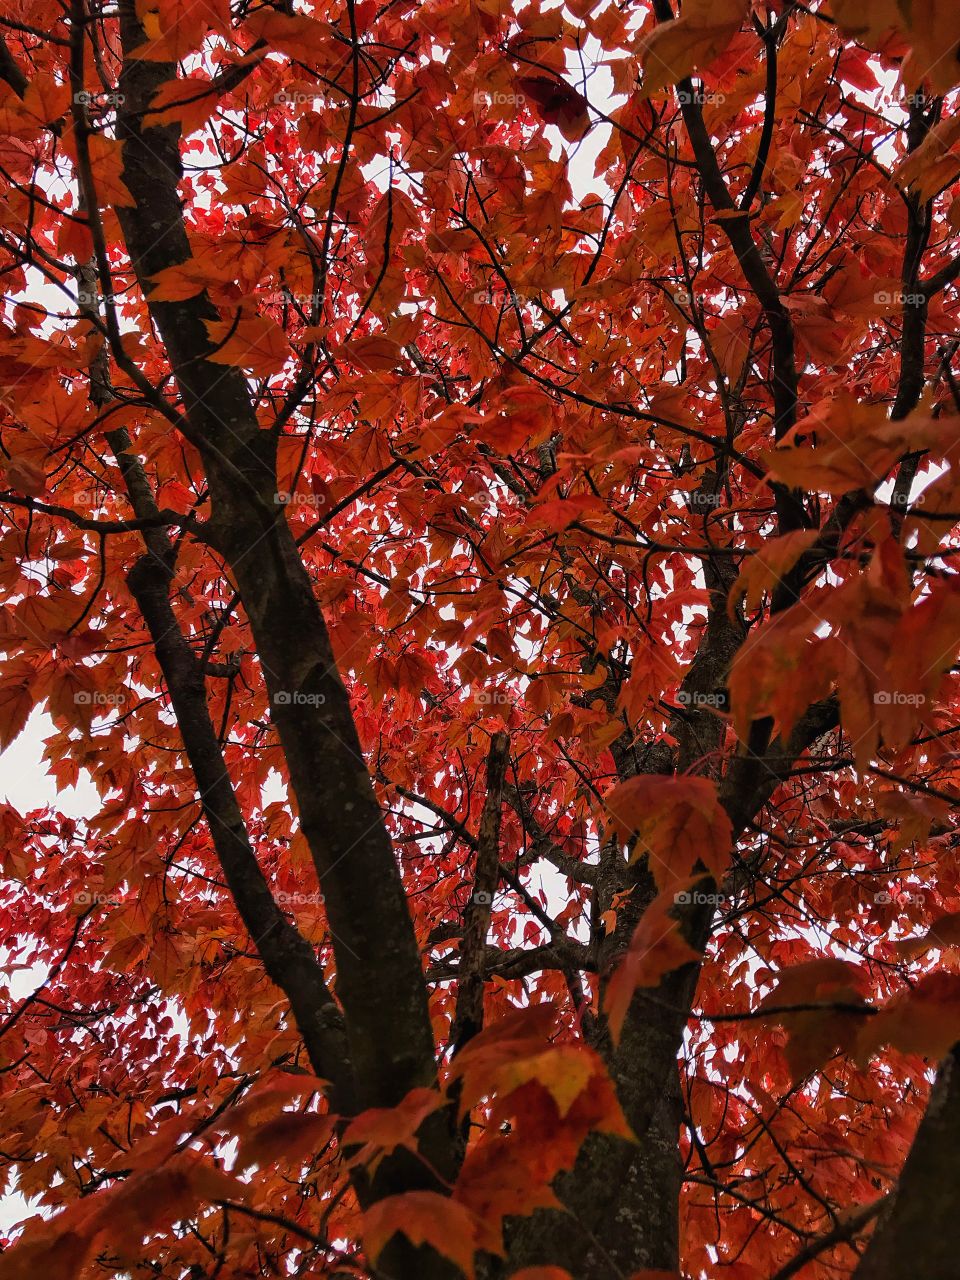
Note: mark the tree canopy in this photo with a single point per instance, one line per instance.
(480, 493)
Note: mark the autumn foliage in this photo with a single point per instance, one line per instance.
(480, 493)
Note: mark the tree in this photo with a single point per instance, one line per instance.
(479, 502)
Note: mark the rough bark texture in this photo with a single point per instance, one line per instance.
(468, 1019)
(383, 999)
(338, 810)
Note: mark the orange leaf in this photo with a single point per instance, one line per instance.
(856, 445)
(943, 932)
(177, 27)
(672, 50)
(424, 1217)
(764, 570)
(778, 671)
(26, 476)
(290, 1136)
(924, 1020)
(380, 1130)
(188, 102)
(16, 701)
(176, 283)
(504, 1176)
(256, 343)
(815, 1035)
(376, 353)
(677, 822)
(656, 948)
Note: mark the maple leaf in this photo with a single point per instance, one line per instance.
(184, 280)
(924, 1020)
(856, 447)
(515, 1051)
(188, 102)
(944, 932)
(779, 671)
(815, 1035)
(656, 948)
(26, 475)
(375, 353)
(502, 1178)
(379, 1131)
(672, 50)
(551, 442)
(677, 822)
(558, 103)
(424, 1217)
(763, 571)
(298, 35)
(934, 35)
(16, 701)
(256, 343)
(934, 163)
(176, 28)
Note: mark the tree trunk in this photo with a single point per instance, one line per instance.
(915, 1236)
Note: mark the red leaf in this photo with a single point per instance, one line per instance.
(424, 1217)
(677, 822)
(558, 103)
